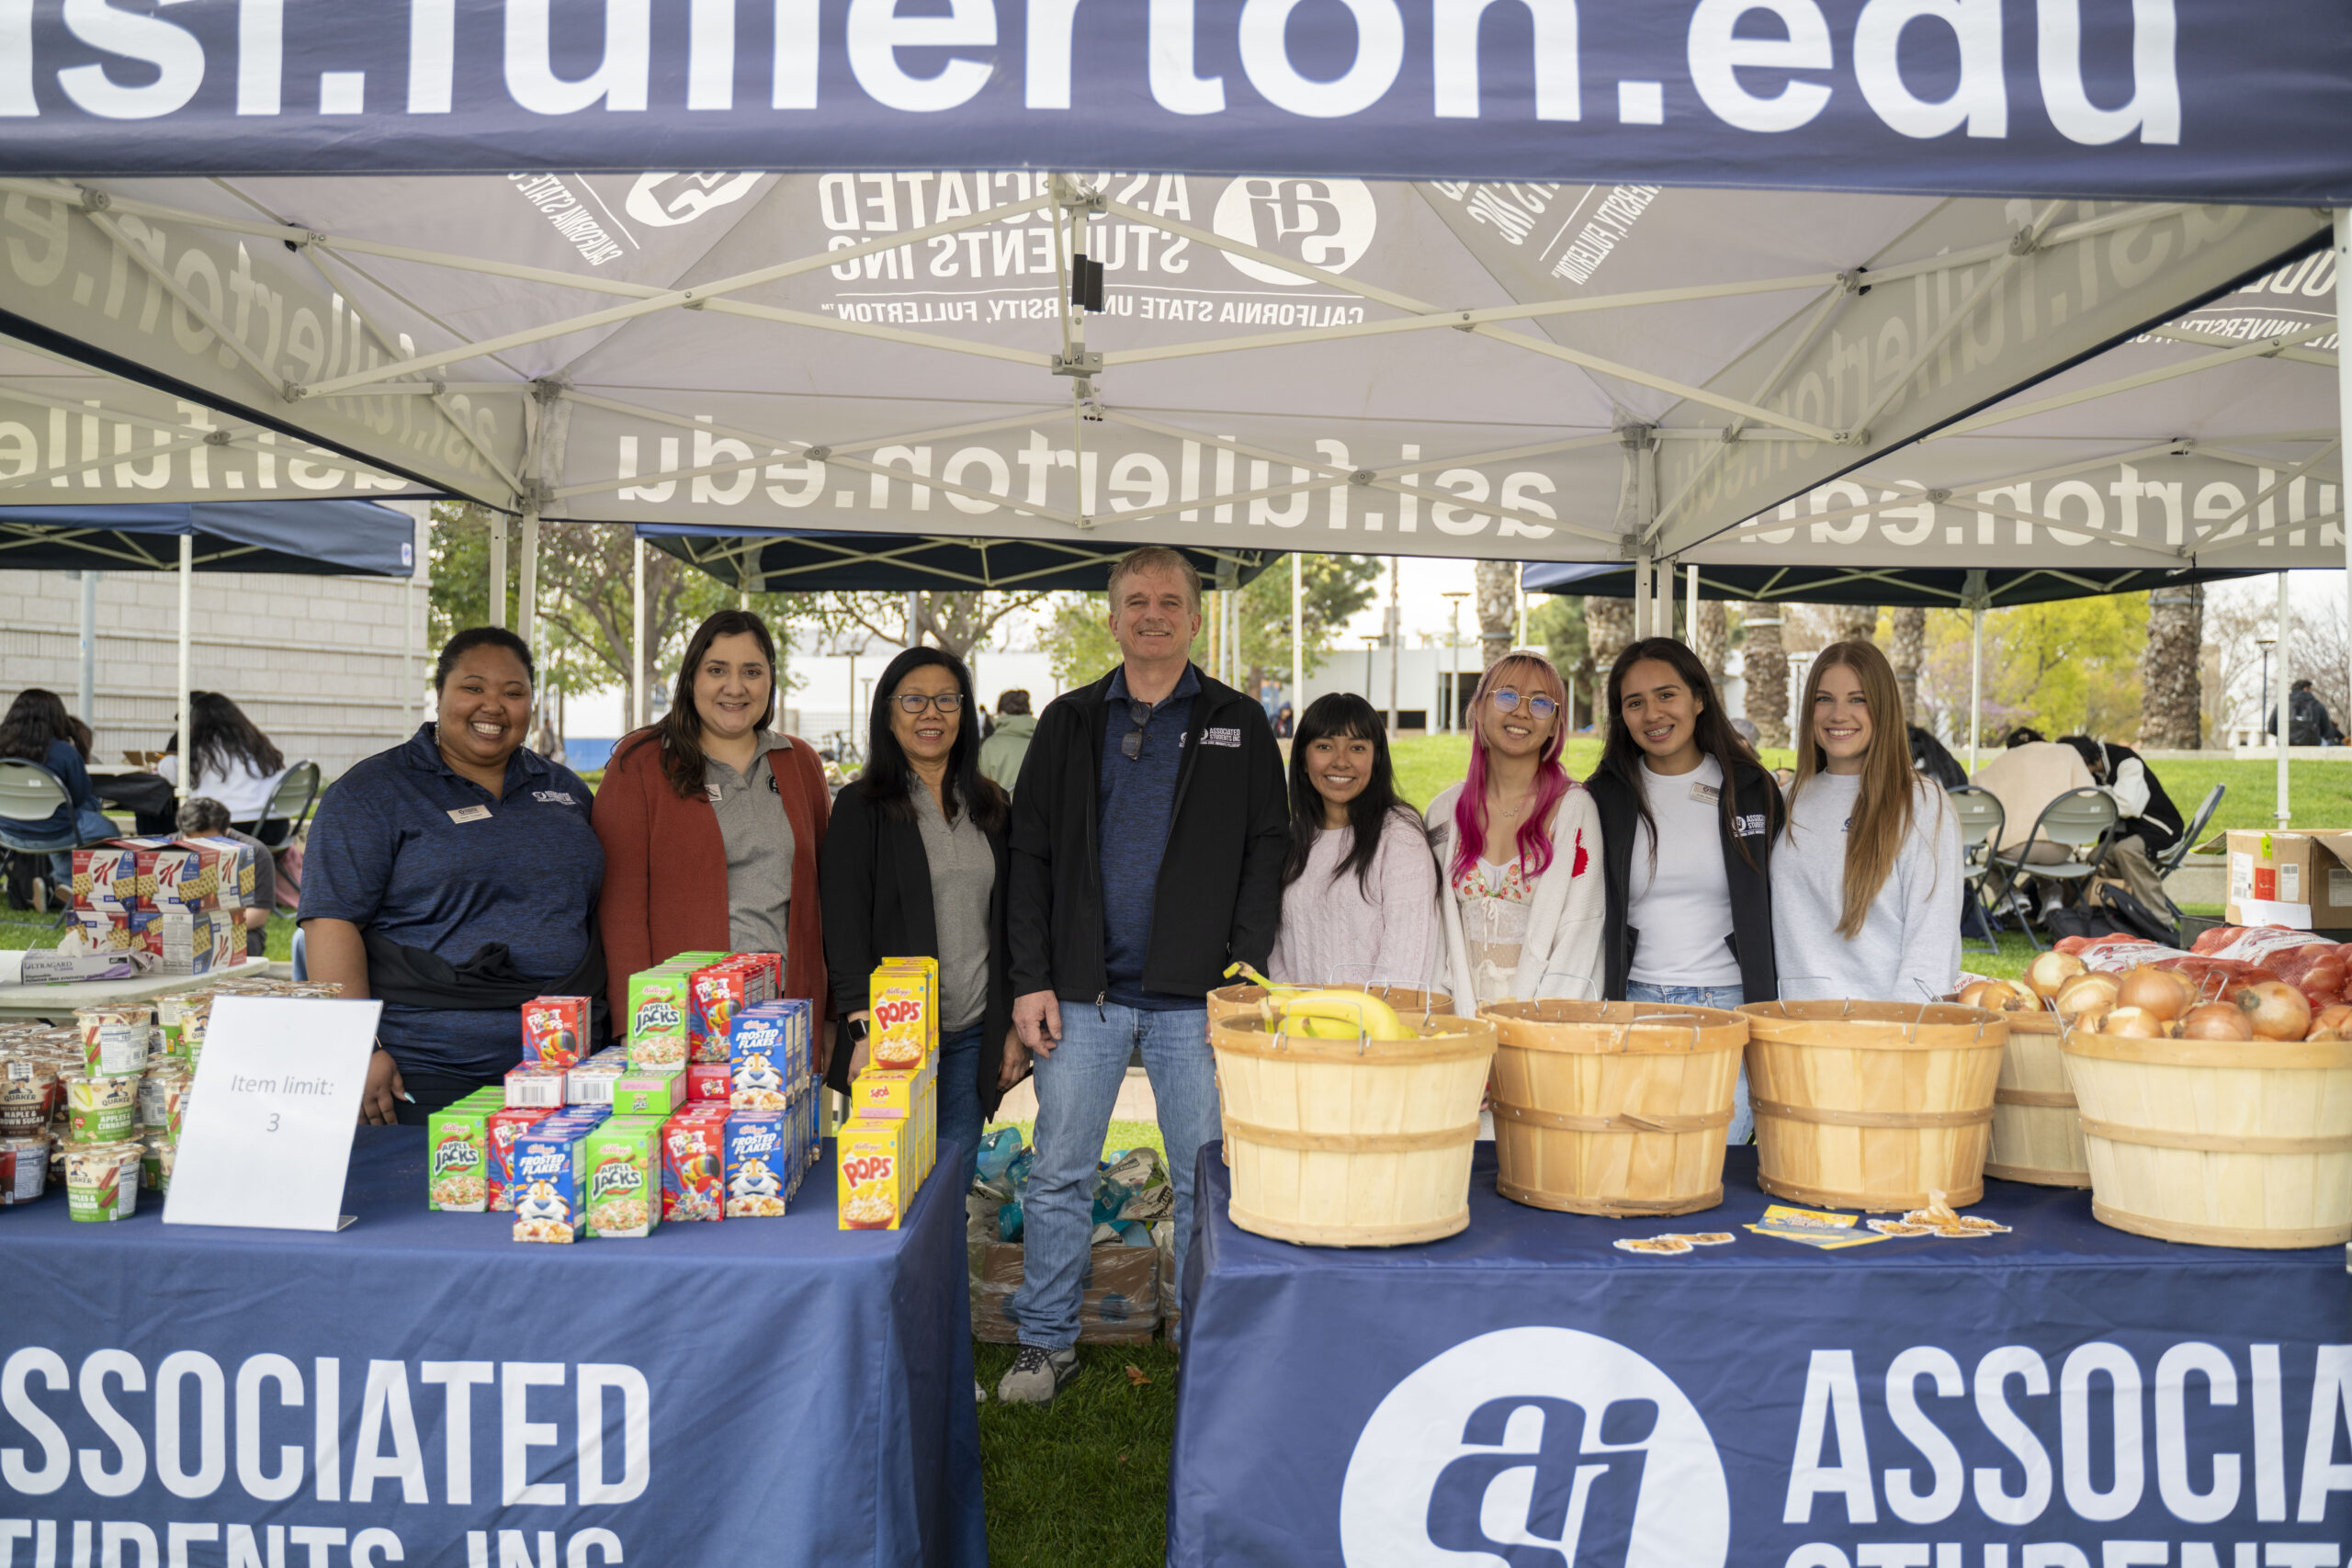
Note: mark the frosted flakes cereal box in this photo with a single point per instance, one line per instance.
(555, 1031)
(710, 1082)
(621, 1166)
(457, 1141)
(873, 1188)
(903, 1001)
(759, 1150)
(693, 1166)
(760, 1073)
(106, 878)
(657, 1004)
(505, 1126)
(547, 1182)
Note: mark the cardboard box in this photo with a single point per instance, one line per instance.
(2300, 880)
(199, 942)
(1119, 1303)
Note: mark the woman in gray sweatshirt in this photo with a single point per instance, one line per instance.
(1866, 879)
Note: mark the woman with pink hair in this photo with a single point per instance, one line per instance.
(1520, 844)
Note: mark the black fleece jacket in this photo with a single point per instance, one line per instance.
(1219, 895)
(1756, 803)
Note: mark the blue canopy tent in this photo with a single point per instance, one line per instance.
(824, 562)
(332, 538)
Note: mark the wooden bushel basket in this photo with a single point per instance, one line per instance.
(1872, 1105)
(2037, 1135)
(2218, 1142)
(1353, 1142)
(1241, 1001)
(1613, 1108)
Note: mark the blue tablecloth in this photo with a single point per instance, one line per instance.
(753, 1392)
(2062, 1396)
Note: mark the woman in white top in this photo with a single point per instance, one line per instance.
(1866, 879)
(235, 764)
(1358, 884)
(1518, 843)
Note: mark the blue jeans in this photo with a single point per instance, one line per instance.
(959, 1099)
(89, 828)
(1743, 1120)
(1078, 1086)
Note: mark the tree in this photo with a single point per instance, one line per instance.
(1610, 627)
(1766, 666)
(1713, 640)
(2066, 667)
(957, 621)
(1497, 585)
(1078, 632)
(1909, 650)
(1556, 623)
(2170, 688)
(1853, 622)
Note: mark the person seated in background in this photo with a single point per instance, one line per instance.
(1929, 757)
(234, 761)
(2308, 723)
(39, 729)
(201, 816)
(1001, 752)
(2152, 824)
(2024, 735)
(2028, 775)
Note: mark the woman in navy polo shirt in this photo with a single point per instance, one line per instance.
(455, 877)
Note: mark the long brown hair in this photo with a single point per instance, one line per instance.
(1884, 808)
(1620, 755)
(679, 732)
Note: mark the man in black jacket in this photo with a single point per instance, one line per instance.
(1153, 769)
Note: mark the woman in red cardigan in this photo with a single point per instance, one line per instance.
(711, 823)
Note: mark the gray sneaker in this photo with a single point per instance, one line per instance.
(1038, 1375)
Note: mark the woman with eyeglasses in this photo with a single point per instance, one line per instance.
(915, 866)
(1518, 843)
(711, 823)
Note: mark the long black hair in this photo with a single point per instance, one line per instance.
(1347, 716)
(890, 781)
(221, 734)
(679, 732)
(37, 718)
(1620, 754)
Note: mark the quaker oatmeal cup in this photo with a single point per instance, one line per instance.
(156, 1155)
(102, 1180)
(28, 1087)
(23, 1161)
(100, 1107)
(114, 1039)
(163, 1100)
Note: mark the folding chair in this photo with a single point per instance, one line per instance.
(1981, 819)
(2077, 820)
(2170, 861)
(30, 793)
(292, 802)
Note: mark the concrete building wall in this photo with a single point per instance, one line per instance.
(322, 664)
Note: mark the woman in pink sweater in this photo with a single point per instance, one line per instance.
(1360, 888)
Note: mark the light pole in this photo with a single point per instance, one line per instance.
(1454, 659)
(2265, 644)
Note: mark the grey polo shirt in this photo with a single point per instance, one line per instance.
(963, 875)
(758, 835)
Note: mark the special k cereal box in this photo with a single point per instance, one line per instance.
(198, 873)
(456, 1142)
(758, 1153)
(659, 1000)
(555, 1031)
(903, 998)
(106, 878)
(621, 1160)
(760, 1063)
(709, 1082)
(873, 1188)
(693, 1166)
(505, 1126)
(547, 1181)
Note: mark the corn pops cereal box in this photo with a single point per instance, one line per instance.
(889, 1092)
(904, 1004)
(760, 1065)
(621, 1165)
(457, 1144)
(505, 1126)
(555, 1031)
(759, 1151)
(874, 1186)
(649, 1094)
(693, 1166)
(547, 1181)
(709, 1081)
(659, 1000)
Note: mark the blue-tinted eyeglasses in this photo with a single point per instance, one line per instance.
(1538, 706)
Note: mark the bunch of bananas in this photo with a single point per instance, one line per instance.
(1324, 1014)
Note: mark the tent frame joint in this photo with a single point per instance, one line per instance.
(1084, 362)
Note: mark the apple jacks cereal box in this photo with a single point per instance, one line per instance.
(547, 1181)
(649, 1094)
(759, 1157)
(693, 1165)
(903, 998)
(621, 1165)
(659, 1000)
(504, 1127)
(555, 1031)
(874, 1183)
(458, 1143)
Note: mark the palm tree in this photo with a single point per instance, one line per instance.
(2170, 666)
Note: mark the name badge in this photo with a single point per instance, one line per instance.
(712, 792)
(469, 814)
(1705, 794)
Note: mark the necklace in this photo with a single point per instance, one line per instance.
(1510, 810)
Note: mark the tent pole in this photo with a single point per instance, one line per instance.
(1641, 586)
(498, 569)
(637, 631)
(187, 595)
(419, 630)
(87, 697)
(2279, 696)
(527, 595)
(2343, 373)
(1395, 641)
(1976, 682)
(1690, 606)
(1297, 636)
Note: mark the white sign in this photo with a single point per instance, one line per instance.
(267, 1138)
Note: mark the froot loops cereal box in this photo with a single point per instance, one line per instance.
(555, 1031)
(759, 1157)
(709, 1081)
(875, 1180)
(505, 1126)
(693, 1165)
(903, 998)
(719, 993)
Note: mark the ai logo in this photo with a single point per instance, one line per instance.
(1535, 1448)
(1325, 223)
(655, 200)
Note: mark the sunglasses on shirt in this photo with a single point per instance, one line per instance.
(1131, 743)
(1538, 706)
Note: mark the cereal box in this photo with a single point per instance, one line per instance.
(760, 1062)
(547, 1161)
(799, 1037)
(590, 1083)
(536, 1086)
(649, 1094)
(709, 1081)
(197, 873)
(555, 1031)
(198, 942)
(888, 1091)
(903, 1001)
(106, 878)
(458, 1146)
(693, 1166)
(872, 1188)
(621, 1164)
(505, 1125)
(118, 930)
(717, 993)
(759, 1152)
(659, 1000)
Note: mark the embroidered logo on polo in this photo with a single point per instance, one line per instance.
(1535, 1445)
(1750, 827)
(1216, 737)
(553, 797)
